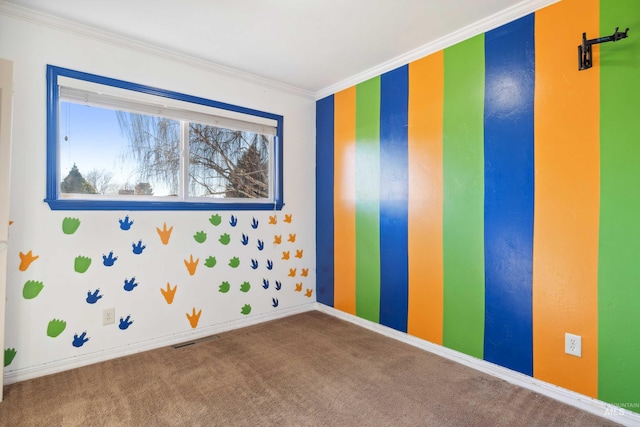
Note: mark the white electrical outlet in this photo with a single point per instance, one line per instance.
(573, 344)
(109, 316)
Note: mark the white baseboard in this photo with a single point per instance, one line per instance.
(101, 356)
(586, 403)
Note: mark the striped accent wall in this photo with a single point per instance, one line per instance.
(485, 198)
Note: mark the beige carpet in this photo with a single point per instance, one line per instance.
(305, 370)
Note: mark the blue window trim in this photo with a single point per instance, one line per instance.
(53, 195)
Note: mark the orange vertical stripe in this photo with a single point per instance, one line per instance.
(567, 197)
(426, 101)
(344, 207)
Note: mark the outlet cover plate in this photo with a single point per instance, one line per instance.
(573, 344)
(109, 316)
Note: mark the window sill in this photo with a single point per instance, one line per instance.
(116, 205)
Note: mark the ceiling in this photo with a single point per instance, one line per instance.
(306, 44)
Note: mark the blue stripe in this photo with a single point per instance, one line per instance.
(324, 200)
(394, 193)
(509, 192)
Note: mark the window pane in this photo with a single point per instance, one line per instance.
(227, 163)
(116, 153)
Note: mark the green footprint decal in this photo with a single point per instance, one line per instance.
(31, 289)
(9, 354)
(82, 264)
(224, 239)
(210, 262)
(224, 287)
(246, 309)
(200, 236)
(56, 327)
(234, 262)
(70, 225)
(215, 219)
(245, 287)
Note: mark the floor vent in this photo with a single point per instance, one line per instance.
(198, 341)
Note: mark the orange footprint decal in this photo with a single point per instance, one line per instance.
(287, 218)
(292, 272)
(169, 293)
(308, 293)
(277, 239)
(299, 287)
(273, 219)
(292, 238)
(10, 222)
(305, 272)
(26, 260)
(299, 253)
(191, 265)
(194, 318)
(164, 233)
(285, 255)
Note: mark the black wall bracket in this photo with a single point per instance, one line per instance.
(585, 59)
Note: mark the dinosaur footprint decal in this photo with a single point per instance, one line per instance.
(210, 262)
(80, 340)
(138, 247)
(70, 225)
(130, 284)
(200, 236)
(81, 264)
(164, 234)
(192, 265)
(31, 289)
(169, 293)
(26, 260)
(125, 323)
(215, 220)
(224, 287)
(109, 260)
(9, 355)
(125, 224)
(194, 317)
(56, 327)
(93, 297)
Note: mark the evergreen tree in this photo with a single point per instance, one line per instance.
(144, 188)
(248, 178)
(75, 183)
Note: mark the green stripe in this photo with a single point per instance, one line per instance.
(463, 216)
(368, 200)
(619, 247)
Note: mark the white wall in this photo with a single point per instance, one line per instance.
(38, 229)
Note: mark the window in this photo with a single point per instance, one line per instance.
(115, 145)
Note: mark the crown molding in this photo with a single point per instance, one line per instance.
(479, 27)
(82, 30)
